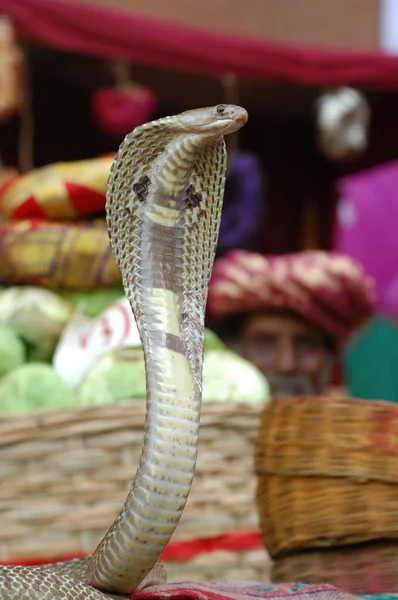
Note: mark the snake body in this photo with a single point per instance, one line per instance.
(164, 202)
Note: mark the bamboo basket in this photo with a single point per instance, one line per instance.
(327, 471)
(360, 569)
(64, 476)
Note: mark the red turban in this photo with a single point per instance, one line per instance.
(329, 289)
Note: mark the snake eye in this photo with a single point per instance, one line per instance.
(220, 109)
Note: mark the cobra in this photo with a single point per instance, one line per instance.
(164, 203)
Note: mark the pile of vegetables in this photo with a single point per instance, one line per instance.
(32, 323)
(79, 345)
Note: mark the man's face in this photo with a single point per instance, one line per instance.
(290, 352)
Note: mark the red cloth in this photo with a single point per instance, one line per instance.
(230, 542)
(176, 551)
(107, 32)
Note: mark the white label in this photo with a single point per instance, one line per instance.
(83, 340)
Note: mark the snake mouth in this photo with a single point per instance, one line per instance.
(233, 124)
(235, 120)
(243, 116)
(227, 125)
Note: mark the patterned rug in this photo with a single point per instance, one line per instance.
(241, 590)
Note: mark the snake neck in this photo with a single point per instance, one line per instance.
(173, 168)
(158, 282)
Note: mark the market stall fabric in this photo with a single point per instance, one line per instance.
(104, 31)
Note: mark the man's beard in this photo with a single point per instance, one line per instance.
(291, 385)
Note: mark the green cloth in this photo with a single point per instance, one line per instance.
(370, 361)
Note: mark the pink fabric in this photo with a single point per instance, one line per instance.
(236, 590)
(121, 35)
(329, 289)
(366, 218)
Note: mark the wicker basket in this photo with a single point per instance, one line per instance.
(65, 474)
(327, 473)
(361, 569)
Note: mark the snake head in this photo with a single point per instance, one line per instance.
(216, 120)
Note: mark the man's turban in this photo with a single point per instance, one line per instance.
(329, 289)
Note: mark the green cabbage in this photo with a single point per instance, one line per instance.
(116, 375)
(120, 375)
(34, 386)
(228, 377)
(212, 341)
(37, 315)
(12, 350)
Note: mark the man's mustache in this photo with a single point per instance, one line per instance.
(290, 385)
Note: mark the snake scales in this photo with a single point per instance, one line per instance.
(164, 204)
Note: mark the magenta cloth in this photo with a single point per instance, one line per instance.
(366, 227)
(236, 590)
(107, 32)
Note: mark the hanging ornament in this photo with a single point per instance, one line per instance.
(118, 110)
(342, 119)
